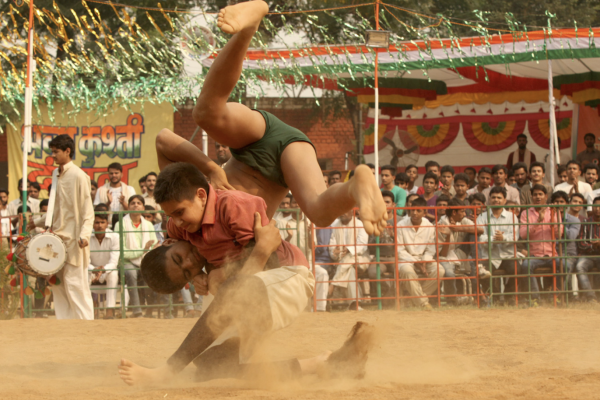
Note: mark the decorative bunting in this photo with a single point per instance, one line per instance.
(433, 138)
(539, 130)
(492, 136)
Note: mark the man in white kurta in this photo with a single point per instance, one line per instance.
(104, 258)
(72, 221)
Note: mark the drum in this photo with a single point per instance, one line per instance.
(41, 255)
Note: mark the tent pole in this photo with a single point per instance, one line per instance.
(28, 109)
(376, 128)
(554, 150)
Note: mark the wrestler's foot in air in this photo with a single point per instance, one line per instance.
(246, 15)
(368, 198)
(135, 375)
(351, 358)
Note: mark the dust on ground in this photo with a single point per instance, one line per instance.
(452, 354)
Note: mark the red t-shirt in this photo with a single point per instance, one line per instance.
(228, 225)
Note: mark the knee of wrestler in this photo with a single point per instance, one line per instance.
(207, 115)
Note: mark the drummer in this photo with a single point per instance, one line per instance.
(73, 219)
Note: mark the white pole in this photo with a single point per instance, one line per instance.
(376, 135)
(554, 150)
(28, 107)
(204, 142)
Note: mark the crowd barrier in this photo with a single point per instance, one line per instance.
(387, 289)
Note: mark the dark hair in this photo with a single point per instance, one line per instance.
(2, 190)
(179, 181)
(537, 164)
(522, 135)
(154, 271)
(332, 173)
(411, 166)
(591, 166)
(136, 196)
(431, 175)
(499, 167)
(560, 194)
(44, 203)
(102, 216)
(116, 166)
(498, 189)
(94, 183)
(115, 221)
(419, 202)
(589, 134)
(582, 197)
(518, 166)
(101, 207)
(442, 197)
(63, 142)
(350, 175)
(390, 168)
(20, 210)
(150, 174)
(477, 196)
(470, 169)
(574, 162)
(597, 198)
(561, 169)
(447, 168)
(510, 173)
(149, 208)
(387, 193)
(485, 170)
(36, 185)
(370, 165)
(461, 177)
(453, 203)
(410, 196)
(142, 179)
(430, 164)
(402, 177)
(539, 187)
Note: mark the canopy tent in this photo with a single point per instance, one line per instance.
(464, 99)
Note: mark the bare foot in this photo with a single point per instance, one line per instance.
(233, 19)
(350, 360)
(366, 193)
(312, 365)
(135, 375)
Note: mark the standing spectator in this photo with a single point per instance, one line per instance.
(502, 229)
(5, 222)
(536, 227)
(589, 249)
(447, 181)
(324, 270)
(521, 155)
(590, 174)
(223, 154)
(471, 173)
(461, 185)
(372, 166)
(433, 167)
(104, 260)
(590, 155)
(413, 173)
(573, 184)
(142, 184)
(93, 192)
(17, 204)
(500, 174)
(567, 244)
(114, 193)
(453, 227)
(139, 237)
(149, 195)
(416, 251)
(522, 182)
(349, 248)
(335, 177)
(430, 184)
(387, 183)
(484, 180)
(537, 175)
(34, 190)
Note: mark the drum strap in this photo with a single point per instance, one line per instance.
(52, 201)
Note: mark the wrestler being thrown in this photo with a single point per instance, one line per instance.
(269, 157)
(260, 284)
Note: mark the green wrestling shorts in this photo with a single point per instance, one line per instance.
(265, 154)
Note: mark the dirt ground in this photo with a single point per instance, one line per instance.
(451, 354)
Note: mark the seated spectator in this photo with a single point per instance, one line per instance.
(502, 229)
(413, 173)
(510, 179)
(441, 202)
(522, 182)
(104, 260)
(34, 190)
(349, 248)
(537, 174)
(139, 238)
(434, 168)
(402, 181)
(484, 179)
(536, 227)
(283, 216)
(94, 186)
(416, 252)
(150, 217)
(410, 198)
(562, 175)
(573, 184)
(511, 206)
(142, 183)
(590, 173)
(453, 227)
(387, 183)
(477, 200)
(461, 185)
(387, 254)
(430, 184)
(567, 244)
(326, 179)
(324, 270)
(447, 182)
(589, 249)
(500, 176)
(471, 173)
(578, 203)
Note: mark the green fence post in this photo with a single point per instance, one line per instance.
(121, 265)
(490, 265)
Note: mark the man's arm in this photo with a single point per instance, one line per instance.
(86, 209)
(268, 241)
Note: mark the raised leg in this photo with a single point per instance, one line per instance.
(231, 124)
(323, 205)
